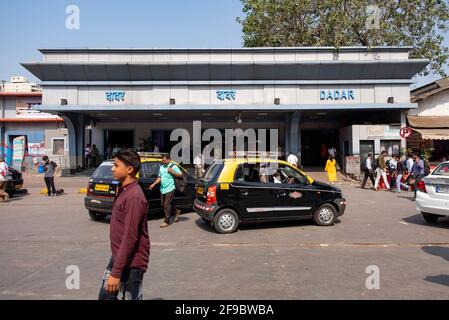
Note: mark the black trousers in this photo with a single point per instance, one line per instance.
(368, 174)
(167, 204)
(50, 183)
(130, 284)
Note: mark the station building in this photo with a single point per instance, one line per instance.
(354, 99)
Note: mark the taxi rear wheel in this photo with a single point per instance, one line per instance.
(226, 221)
(97, 216)
(325, 215)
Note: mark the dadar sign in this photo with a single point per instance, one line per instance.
(337, 94)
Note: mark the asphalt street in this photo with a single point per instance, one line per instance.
(41, 237)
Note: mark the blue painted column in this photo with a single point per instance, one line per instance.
(295, 134)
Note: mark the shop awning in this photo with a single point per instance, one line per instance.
(428, 121)
(434, 134)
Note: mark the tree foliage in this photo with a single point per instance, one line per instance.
(293, 23)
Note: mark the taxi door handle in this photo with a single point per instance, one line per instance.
(281, 193)
(244, 192)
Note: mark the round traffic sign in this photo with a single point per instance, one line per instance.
(405, 132)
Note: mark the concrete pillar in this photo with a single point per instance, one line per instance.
(295, 134)
(287, 135)
(75, 127)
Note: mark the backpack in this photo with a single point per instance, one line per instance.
(180, 183)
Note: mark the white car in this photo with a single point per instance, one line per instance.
(432, 197)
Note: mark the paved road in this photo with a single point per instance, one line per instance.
(41, 237)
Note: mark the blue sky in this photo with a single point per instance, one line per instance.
(26, 25)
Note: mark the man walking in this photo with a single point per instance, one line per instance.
(391, 166)
(369, 173)
(50, 168)
(167, 174)
(87, 156)
(199, 166)
(293, 159)
(417, 172)
(4, 177)
(381, 171)
(95, 155)
(130, 243)
(409, 164)
(400, 169)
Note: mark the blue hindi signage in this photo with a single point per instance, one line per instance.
(115, 95)
(226, 95)
(337, 94)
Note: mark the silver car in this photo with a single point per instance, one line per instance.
(432, 197)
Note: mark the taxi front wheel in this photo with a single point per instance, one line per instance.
(325, 215)
(97, 216)
(226, 221)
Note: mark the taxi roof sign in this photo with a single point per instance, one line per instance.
(152, 154)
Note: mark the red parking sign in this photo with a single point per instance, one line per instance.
(405, 132)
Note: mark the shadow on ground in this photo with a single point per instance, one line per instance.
(442, 252)
(204, 225)
(442, 223)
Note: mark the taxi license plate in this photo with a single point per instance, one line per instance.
(200, 190)
(442, 189)
(102, 187)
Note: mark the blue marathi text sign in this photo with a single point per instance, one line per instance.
(115, 95)
(337, 94)
(226, 95)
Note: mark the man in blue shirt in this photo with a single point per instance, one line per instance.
(417, 171)
(167, 174)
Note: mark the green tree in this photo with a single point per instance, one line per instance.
(336, 23)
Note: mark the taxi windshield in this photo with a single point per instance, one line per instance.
(104, 171)
(150, 169)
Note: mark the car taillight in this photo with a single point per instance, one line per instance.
(421, 186)
(211, 195)
(89, 188)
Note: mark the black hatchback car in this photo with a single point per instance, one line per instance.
(15, 183)
(237, 191)
(102, 188)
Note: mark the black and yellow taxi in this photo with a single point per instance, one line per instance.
(16, 182)
(251, 190)
(102, 188)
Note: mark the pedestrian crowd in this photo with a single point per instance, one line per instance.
(404, 171)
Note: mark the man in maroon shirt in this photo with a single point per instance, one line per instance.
(130, 243)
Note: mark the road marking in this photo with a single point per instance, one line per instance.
(247, 244)
(403, 223)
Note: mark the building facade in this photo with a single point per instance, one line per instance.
(430, 120)
(354, 99)
(23, 128)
